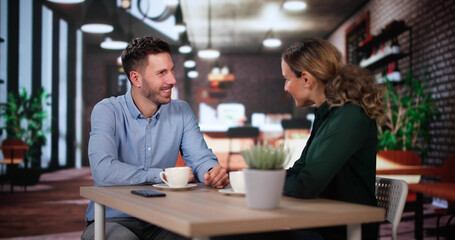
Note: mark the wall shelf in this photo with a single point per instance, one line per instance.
(377, 62)
(384, 60)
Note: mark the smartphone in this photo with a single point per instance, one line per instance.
(148, 193)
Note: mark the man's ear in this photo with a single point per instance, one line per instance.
(135, 78)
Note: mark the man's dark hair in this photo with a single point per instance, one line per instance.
(135, 55)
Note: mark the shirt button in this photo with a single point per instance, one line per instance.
(149, 148)
(131, 182)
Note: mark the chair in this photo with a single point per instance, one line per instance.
(448, 175)
(391, 195)
(240, 132)
(13, 150)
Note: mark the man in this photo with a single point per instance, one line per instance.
(136, 135)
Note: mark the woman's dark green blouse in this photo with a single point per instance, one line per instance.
(338, 161)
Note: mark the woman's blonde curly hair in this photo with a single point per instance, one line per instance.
(343, 83)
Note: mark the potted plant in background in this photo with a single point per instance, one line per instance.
(23, 117)
(409, 108)
(265, 175)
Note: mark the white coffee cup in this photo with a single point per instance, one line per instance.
(176, 176)
(237, 180)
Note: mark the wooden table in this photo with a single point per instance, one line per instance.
(445, 190)
(203, 211)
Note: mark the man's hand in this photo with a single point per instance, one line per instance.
(217, 177)
(191, 176)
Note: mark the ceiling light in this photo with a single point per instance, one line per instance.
(271, 42)
(193, 74)
(209, 52)
(97, 28)
(185, 49)
(179, 23)
(96, 19)
(189, 64)
(66, 1)
(113, 45)
(294, 6)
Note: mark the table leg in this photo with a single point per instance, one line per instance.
(418, 224)
(354, 231)
(100, 224)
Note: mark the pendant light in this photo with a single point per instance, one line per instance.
(190, 63)
(186, 47)
(294, 6)
(209, 52)
(271, 41)
(66, 1)
(180, 26)
(96, 19)
(116, 39)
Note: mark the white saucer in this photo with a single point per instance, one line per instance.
(230, 191)
(165, 186)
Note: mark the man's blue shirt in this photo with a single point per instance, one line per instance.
(126, 148)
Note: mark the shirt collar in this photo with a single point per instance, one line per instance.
(134, 111)
(322, 110)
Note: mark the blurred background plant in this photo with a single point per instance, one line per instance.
(409, 108)
(23, 117)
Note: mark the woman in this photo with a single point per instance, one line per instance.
(339, 159)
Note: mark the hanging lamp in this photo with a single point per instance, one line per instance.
(96, 19)
(185, 48)
(209, 52)
(270, 41)
(115, 40)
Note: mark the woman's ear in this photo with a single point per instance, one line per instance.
(307, 79)
(135, 78)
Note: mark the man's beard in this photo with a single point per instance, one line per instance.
(153, 95)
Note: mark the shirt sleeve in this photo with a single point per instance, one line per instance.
(106, 167)
(338, 141)
(194, 149)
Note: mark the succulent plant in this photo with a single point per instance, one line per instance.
(266, 157)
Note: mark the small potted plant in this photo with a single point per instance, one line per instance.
(265, 175)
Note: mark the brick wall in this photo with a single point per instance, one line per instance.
(433, 24)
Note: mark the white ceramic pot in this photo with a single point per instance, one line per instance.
(264, 188)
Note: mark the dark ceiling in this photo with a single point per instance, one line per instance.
(236, 25)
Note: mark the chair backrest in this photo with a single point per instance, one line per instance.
(448, 166)
(243, 132)
(296, 123)
(7, 151)
(391, 194)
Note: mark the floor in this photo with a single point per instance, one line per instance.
(53, 209)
